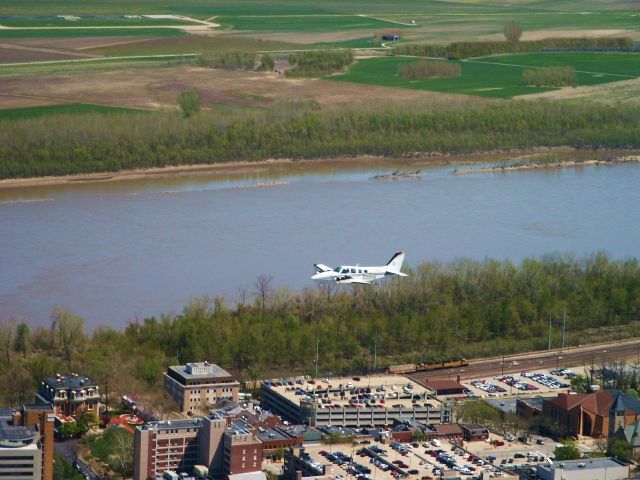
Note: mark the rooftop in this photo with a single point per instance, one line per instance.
(69, 380)
(588, 464)
(14, 436)
(172, 424)
(379, 391)
(444, 385)
(200, 370)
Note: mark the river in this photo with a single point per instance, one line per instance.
(116, 251)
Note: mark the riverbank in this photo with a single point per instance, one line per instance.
(275, 166)
(532, 165)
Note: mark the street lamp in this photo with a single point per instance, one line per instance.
(558, 357)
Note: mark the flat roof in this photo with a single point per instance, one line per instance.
(587, 464)
(506, 405)
(200, 370)
(444, 385)
(171, 424)
(395, 390)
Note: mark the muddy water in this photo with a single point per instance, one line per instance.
(115, 251)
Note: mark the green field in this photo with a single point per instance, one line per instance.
(497, 76)
(90, 22)
(304, 23)
(67, 109)
(88, 32)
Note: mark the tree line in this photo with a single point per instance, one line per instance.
(460, 50)
(550, 77)
(320, 63)
(442, 310)
(61, 145)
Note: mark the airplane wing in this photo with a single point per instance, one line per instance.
(347, 279)
(322, 268)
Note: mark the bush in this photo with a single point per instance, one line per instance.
(512, 32)
(550, 77)
(267, 63)
(566, 452)
(229, 60)
(316, 64)
(429, 69)
(189, 101)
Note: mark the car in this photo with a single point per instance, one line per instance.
(426, 477)
(413, 472)
(540, 441)
(519, 455)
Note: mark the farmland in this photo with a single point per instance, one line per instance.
(67, 109)
(498, 76)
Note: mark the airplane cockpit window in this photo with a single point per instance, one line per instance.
(353, 270)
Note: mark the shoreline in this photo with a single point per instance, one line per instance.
(550, 166)
(244, 166)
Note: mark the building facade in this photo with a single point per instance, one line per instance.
(222, 447)
(592, 469)
(69, 394)
(197, 385)
(26, 443)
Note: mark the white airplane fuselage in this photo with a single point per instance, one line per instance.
(345, 274)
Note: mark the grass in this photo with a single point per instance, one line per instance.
(304, 23)
(66, 109)
(103, 446)
(499, 76)
(93, 32)
(26, 22)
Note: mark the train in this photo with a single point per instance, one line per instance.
(428, 366)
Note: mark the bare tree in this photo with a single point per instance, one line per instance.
(68, 329)
(512, 32)
(122, 455)
(263, 289)
(7, 339)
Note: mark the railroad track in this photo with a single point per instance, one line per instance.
(567, 357)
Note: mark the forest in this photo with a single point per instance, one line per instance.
(62, 145)
(442, 310)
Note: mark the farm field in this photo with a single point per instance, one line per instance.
(90, 22)
(497, 76)
(86, 32)
(305, 23)
(70, 109)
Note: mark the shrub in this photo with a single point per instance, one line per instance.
(550, 77)
(189, 101)
(512, 32)
(267, 63)
(233, 60)
(315, 64)
(429, 69)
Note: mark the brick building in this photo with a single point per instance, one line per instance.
(26, 443)
(69, 394)
(223, 445)
(597, 414)
(195, 385)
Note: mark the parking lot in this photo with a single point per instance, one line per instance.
(534, 382)
(392, 461)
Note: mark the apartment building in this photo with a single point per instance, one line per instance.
(69, 394)
(242, 452)
(197, 385)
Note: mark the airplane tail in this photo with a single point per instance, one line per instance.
(395, 264)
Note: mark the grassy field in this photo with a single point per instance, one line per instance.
(304, 23)
(498, 76)
(67, 109)
(90, 22)
(91, 32)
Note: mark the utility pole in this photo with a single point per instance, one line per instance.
(375, 352)
(564, 324)
(317, 350)
(549, 347)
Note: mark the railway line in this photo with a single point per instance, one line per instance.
(595, 354)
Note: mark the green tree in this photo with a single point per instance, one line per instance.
(189, 101)
(566, 452)
(68, 430)
(620, 449)
(477, 411)
(63, 470)
(22, 339)
(580, 384)
(512, 32)
(267, 62)
(68, 329)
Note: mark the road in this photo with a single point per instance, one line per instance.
(568, 357)
(66, 449)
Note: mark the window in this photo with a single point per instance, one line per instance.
(353, 270)
(345, 270)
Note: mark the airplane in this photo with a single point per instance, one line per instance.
(347, 274)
